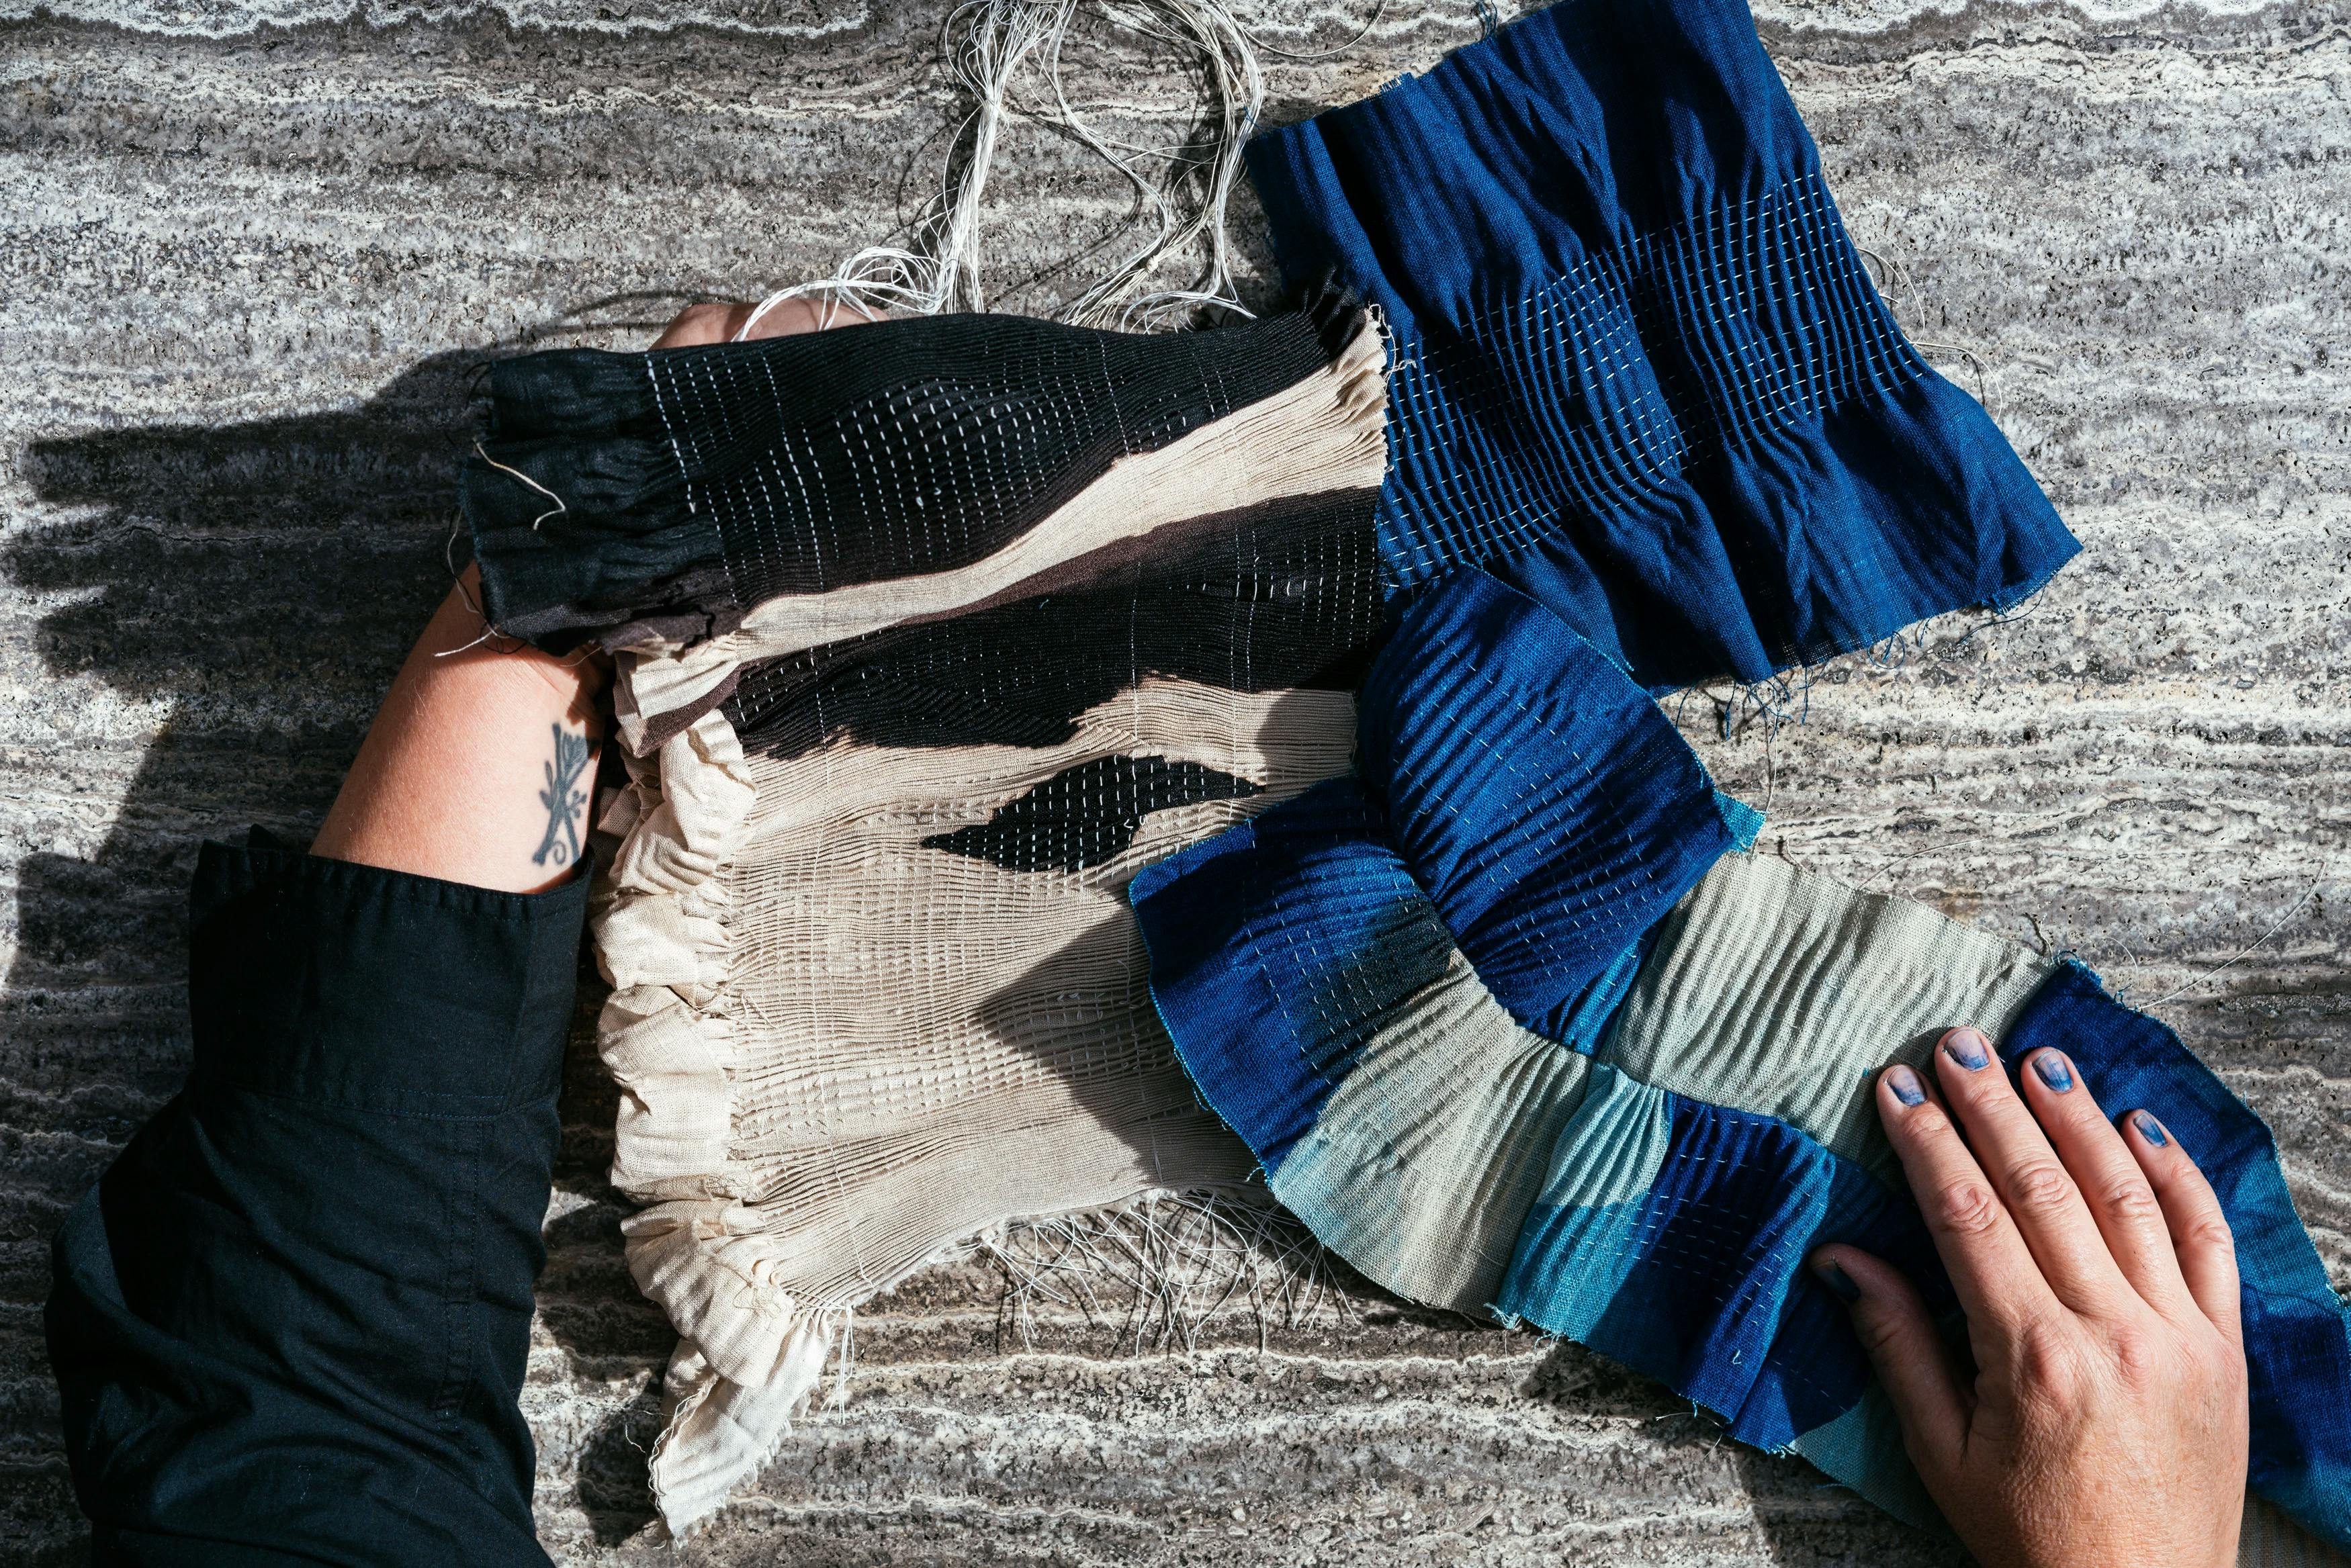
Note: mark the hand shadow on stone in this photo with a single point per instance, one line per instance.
(264, 579)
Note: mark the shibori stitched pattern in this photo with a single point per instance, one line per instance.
(1407, 990)
(893, 756)
(721, 505)
(1639, 369)
(931, 634)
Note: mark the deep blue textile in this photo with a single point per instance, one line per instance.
(1287, 1023)
(1549, 808)
(1707, 1290)
(1294, 961)
(1639, 370)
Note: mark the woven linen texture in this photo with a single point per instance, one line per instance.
(654, 500)
(1649, 1187)
(1640, 371)
(877, 986)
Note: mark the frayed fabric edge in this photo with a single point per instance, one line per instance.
(750, 1354)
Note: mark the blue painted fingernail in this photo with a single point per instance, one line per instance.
(1906, 1086)
(1968, 1048)
(1837, 1281)
(2049, 1069)
(2150, 1129)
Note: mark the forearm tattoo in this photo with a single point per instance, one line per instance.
(565, 797)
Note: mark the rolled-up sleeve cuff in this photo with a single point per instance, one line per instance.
(350, 985)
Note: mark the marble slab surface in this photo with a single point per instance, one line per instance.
(250, 248)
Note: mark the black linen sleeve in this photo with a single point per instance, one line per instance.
(290, 1324)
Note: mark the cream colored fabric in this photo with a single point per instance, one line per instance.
(1775, 990)
(1444, 1132)
(845, 1053)
(1321, 433)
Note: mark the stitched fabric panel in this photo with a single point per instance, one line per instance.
(1251, 504)
(1717, 1135)
(1282, 1011)
(1783, 993)
(868, 929)
(1425, 1159)
(1549, 808)
(909, 1006)
(1640, 371)
(1710, 1293)
(658, 498)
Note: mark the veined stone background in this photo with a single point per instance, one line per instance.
(251, 248)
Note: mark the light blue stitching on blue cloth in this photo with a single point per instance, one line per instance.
(1278, 947)
(1638, 370)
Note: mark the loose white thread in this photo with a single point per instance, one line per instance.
(1185, 190)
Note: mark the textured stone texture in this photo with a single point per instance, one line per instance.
(251, 247)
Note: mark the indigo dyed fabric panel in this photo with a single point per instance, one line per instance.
(1637, 368)
(1649, 1179)
(1551, 812)
(1687, 1260)
(1285, 1008)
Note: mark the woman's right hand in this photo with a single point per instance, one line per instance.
(2102, 1422)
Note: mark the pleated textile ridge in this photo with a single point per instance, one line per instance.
(895, 745)
(1513, 1020)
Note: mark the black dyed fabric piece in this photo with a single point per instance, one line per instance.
(1283, 595)
(290, 1323)
(1087, 815)
(618, 497)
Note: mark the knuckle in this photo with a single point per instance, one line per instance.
(2048, 1370)
(2150, 1357)
(1927, 1122)
(1879, 1333)
(2128, 1197)
(2211, 1228)
(1966, 1209)
(2040, 1187)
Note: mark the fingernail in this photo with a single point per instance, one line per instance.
(2051, 1069)
(1968, 1048)
(1906, 1086)
(1838, 1281)
(2150, 1129)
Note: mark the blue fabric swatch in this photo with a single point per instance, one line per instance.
(1277, 1012)
(1497, 818)
(1550, 811)
(1698, 1278)
(1638, 368)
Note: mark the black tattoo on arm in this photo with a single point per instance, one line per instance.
(565, 797)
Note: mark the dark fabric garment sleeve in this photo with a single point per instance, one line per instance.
(290, 1324)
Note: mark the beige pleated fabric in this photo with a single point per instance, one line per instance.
(1453, 1111)
(846, 1053)
(1779, 992)
(873, 999)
